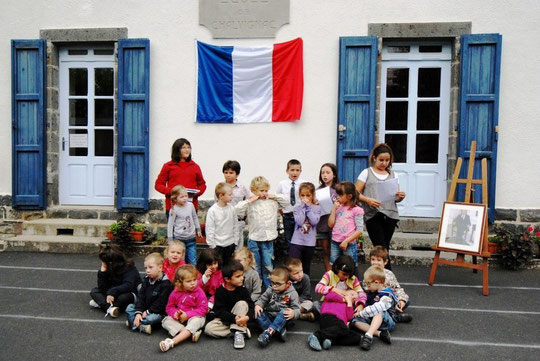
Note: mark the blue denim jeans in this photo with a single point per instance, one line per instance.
(191, 250)
(276, 323)
(151, 318)
(264, 255)
(335, 251)
(388, 322)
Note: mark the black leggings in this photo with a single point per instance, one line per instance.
(380, 229)
(122, 301)
(331, 327)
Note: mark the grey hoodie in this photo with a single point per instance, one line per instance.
(272, 302)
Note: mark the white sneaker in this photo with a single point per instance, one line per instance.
(113, 311)
(93, 303)
(145, 329)
(239, 342)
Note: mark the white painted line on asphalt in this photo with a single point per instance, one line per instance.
(454, 342)
(61, 319)
(470, 286)
(50, 269)
(42, 289)
(474, 310)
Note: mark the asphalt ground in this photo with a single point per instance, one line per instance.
(44, 315)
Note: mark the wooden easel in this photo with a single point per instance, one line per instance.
(484, 253)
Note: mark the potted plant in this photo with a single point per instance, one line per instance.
(494, 244)
(113, 230)
(517, 248)
(137, 232)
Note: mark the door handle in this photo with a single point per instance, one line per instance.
(63, 144)
(341, 129)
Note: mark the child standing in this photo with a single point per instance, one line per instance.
(209, 273)
(186, 309)
(336, 313)
(174, 258)
(231, 171)
(302, 285)
(117, 282)
(183, 222)
(252, 281)
(233, 307)
(306, 217)
(277, 306)
(327, 178)
(153, 296)
(347, 221)
(378, 256)
(374, 319)
(262, 210)
(222, 224)
(381, 218)
(288, 188)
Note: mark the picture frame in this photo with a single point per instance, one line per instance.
(462, 226)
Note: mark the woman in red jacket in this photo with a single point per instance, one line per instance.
(180, 170)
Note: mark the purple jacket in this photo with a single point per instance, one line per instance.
(305, 228)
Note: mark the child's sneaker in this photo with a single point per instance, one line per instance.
(239, 342)
(145, 329)
(314, 343)
(403, 317)
(385, 336)
(282, 335)
(264, 339)
(114, 311)
(365, 343)
(196, 336)
(127, 324)
(326, 344)
(308, 316)
(93, 303)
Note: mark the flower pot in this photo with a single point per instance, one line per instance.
(493, 247)
(110, 235)
(136, 235)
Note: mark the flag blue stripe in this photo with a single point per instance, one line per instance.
(215, 84)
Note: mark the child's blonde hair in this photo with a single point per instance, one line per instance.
(281, 273)
(292, 263)
(222, 188)
(155, 257)
(259, 183)
(174, 244)
(175, 192)
(375, 273)
(248, 254)
(184, 272)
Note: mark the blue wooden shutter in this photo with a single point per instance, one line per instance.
(133, 124)
(28, 113)
(479, 108)
(356, 104)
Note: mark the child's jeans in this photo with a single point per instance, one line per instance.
(335, 251)
(388, 322)
(266, 321)
(191, 250)
(264, 254)
(151, 318)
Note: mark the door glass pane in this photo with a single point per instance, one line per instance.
(78, 112)
(104, 110)
(427, 148)
(430, 48)
(429, 82)
(427, 117)
(78, 81)
(398, 144)
(78, 142)
(396, 115)
(104, 81)
(399, 49)
(104, 143)
(397, 83)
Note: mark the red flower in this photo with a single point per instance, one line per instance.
(538, 234)
(530, 229)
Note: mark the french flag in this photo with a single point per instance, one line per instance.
(239, 84)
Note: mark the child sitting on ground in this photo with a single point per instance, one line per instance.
(374, 319)
(209, 273)
(252, 281)
(302, 285)
(276, 307)
(186, 309)
(117, 282)
(222, 224)
(153, 296)
(174, 258)
(378, 256)
(233, 307)
(336, 313)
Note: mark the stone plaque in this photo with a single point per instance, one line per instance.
(243, 18)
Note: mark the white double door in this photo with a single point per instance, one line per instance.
(414, 114)
(87, 135)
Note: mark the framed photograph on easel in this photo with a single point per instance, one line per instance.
(461, 227)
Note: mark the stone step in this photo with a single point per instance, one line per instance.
(52, 244)
(68, 227)
(405, 241)
(419, 225)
